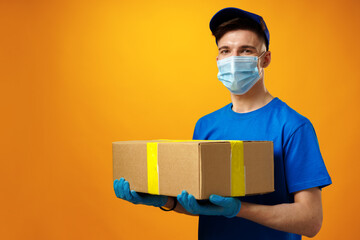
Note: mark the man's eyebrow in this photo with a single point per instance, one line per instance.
(223, 47)
(244, 46)
(248, 46)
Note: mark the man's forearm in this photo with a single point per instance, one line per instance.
(178, 208)
(301, 217)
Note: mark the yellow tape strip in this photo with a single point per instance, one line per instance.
(152, 168)
(237, 168)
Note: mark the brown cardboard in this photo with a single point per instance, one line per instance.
(200, 167)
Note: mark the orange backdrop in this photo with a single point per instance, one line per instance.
(78, 75)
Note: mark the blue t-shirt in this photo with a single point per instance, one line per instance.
(298, 163)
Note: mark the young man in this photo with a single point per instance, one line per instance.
(295, 208)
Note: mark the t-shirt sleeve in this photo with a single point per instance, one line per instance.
(197, 131)
(304, 165)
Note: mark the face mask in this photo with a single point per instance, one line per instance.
(238, 73)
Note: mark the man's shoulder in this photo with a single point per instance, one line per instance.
(208, 122)
(212, 116)
(292, 119)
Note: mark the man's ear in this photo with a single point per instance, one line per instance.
(217, 58)
(266, 59)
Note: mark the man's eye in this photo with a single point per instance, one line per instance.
(224, 51)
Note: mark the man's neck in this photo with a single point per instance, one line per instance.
(255, 98)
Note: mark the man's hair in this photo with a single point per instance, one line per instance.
(239, 24)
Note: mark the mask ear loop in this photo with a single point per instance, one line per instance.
(262, 72)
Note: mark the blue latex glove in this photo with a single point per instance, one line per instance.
(220, 206)
(122, 190)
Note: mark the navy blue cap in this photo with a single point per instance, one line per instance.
(227, 14)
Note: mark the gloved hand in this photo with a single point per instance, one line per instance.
(220, 206)
(122, 190)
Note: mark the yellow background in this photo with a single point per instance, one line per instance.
(78, 75)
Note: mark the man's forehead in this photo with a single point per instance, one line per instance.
(240, 38)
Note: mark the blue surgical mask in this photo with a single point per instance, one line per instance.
(239, 73)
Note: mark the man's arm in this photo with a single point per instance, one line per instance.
(303, 217)
(170, 203)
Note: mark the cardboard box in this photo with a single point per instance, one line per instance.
(166, 167)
